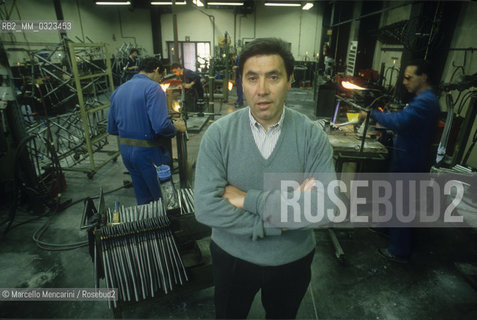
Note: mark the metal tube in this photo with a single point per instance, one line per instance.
(148, 256)
(185, 201)
(137, 262)
(122, 267)
(107, 272)
(127, 260)
(140, 256)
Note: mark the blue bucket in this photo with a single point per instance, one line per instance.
(164, 172)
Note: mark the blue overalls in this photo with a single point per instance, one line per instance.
(415, 127)
(138, 113)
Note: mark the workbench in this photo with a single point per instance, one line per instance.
(346, 146)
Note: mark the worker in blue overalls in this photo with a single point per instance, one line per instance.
(415, 127)
(138, 114)
(192, 82)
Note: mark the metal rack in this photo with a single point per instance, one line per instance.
(74, 82)
(99, 79)
(145, 252)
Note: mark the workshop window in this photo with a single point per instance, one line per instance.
(193, 55)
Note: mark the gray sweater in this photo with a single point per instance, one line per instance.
(228, 155)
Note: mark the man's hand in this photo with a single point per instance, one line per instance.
(307, 185)
(362, 116)
(235, 196)
(188, 85)
(180, 125)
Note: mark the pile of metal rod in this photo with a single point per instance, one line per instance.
(68, 139)
(57, 76)
(80, 132)
(139, 254)
(186, 200)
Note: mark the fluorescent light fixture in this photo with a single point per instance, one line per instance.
(167, 3)
(225, 3)
(113, 3)
(308, 6)
(282, 4)
(198, 3)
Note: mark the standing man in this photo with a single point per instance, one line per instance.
(414, 127)
(191, 81)
(235, 153)
(131, 66)
(138, 114)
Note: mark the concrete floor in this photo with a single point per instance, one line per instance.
(365, 286)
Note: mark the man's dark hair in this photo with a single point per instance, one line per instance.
(268, 46)
(423, 67)
(150, 64)
(133, 50)
(176, 66)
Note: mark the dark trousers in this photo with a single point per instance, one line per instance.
(193, 95)
(400, 242)
(237, 282)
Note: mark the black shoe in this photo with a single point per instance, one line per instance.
(390, 257)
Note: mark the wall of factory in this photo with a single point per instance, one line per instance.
(391, 59)
(117, 26)
(30, 10)
(301, 28)
(197, 25)
(354, 28)
(102, 24)
(463, 37)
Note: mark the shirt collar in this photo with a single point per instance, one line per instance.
(256, 124)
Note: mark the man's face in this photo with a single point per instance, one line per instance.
(265, 85)
(134, 54)
(177, 71)
(414, 83)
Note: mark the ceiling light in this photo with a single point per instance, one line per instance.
(113, 3)
(282, 4)
(225, 3)
(308, 6)
(198, 3)
(167, 3)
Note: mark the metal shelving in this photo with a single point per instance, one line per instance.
(89, 83)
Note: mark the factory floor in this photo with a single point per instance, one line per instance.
(363, 286)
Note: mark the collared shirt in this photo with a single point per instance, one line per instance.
(266, 140)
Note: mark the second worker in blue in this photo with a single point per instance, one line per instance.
(138, 114)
